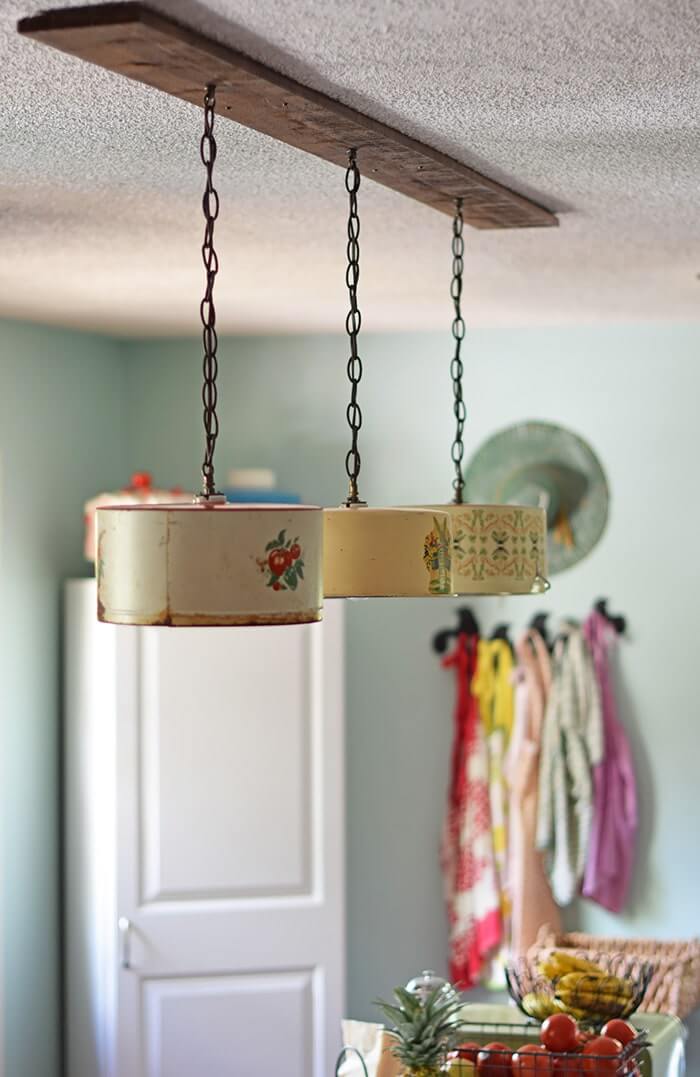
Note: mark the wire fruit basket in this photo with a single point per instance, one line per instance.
(675, 984)
(616, 989)
(633, 1061)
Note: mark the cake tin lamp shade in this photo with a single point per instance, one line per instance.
(386, 553)
(197, 564)
(377, 552)
(496, 549)
(209, 563)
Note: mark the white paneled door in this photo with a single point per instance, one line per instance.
(229, 861)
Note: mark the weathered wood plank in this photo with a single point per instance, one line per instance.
(140, 44)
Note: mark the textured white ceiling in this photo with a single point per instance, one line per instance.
(591, 106)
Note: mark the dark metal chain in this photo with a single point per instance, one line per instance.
(210, 207)
(456, 366)
(353, 322)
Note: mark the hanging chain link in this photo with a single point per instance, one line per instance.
(456, 366)
(353, 322)
(210, 368)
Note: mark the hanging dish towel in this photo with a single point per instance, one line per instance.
(493, 687)
(532, 902)
(468, 865)
(516, 750)
(611, 852)
(572, 745)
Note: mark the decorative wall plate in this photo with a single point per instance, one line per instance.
(541, 463)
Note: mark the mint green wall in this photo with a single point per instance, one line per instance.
(60, 441)
(633, 393)
(99, 410)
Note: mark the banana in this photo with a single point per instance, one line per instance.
(592, 1002)
(587, 982)
(579, 1015)
(559, 963)
(540, 1005)
(581, 989)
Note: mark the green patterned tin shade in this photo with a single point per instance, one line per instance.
(537, 463)
(498, 549)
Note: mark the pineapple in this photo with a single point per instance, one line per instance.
(425, 1029)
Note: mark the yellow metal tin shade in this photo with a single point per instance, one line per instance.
(386, 553)
(498, 549)
(216, 564)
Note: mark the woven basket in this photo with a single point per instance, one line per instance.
(675, 983)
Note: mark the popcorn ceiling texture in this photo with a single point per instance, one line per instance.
(592, 108)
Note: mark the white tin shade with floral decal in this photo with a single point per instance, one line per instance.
(209, 562)
(202, 564)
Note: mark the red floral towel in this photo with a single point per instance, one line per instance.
(467, 855)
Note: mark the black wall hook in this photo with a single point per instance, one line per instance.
(617, 620)
(539, 624)
(502, 631)
(466, 623)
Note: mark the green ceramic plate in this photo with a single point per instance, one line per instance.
(542, 463)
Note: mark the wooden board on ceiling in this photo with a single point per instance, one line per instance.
(134, 41)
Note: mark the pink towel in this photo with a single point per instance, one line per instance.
(531, 894)
(612, 842)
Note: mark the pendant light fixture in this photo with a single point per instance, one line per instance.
(377, 552)
(496, 549)
(209, 562)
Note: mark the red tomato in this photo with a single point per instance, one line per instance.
(493, 1060)
(558, 1033)
(468, 1051)
(572, 1065)
(617, 1029)
(295, 552)
(531, 1059)
(601, 1056)
(584, 1035)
